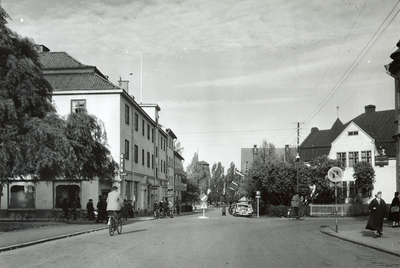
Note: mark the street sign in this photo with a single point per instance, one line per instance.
(203, 197)
(335, 174)
(258, 193)
(203, 205)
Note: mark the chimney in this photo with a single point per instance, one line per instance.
(370, 109)
(41, 48)
(314, 129)
(124, 84)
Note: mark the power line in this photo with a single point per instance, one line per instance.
(352, 67)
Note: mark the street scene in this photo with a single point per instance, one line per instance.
(218, 241)
(199, 133)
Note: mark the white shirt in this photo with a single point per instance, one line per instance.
(114, 201)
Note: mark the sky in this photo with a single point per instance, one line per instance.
(229, 74)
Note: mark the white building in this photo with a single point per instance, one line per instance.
(368, 137)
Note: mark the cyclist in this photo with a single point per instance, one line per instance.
(114, 203)
(296, 203)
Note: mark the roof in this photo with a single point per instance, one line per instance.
(394, 67)
(78, 81)
(202, 163)
(60, 60)
(379, 125)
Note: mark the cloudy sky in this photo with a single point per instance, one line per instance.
(229, 74)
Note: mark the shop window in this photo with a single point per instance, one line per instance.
(70, 193)
(22, 196)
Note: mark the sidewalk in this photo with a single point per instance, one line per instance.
(32, 236)
(356, 233)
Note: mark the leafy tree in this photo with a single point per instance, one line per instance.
(364, 175)
(34, 141)
(217, 182)
(90, 155)
(196, 177)
(26, 112)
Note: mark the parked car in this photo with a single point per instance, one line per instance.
(243, 209)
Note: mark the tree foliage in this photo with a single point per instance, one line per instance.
(217, 183)
(34, 141)
(364, 175)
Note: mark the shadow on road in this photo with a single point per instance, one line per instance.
(130, 232)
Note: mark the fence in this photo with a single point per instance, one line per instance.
(342, 210)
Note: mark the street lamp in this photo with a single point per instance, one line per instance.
(297, 170)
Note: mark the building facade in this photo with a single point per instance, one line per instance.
(136, 141)
(369, 138)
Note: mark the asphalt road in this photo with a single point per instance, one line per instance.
(214, 242)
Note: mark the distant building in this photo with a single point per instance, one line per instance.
(368, 137)
(248, 155)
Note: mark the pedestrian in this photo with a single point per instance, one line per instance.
(90, 209)
(377, 207)
(64, 207)
(296, 203)
(101, 209)
(130, 206)
(394, 210)
(178, 207)
(125, 210)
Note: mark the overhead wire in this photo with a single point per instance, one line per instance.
(354, 64)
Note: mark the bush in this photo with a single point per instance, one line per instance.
(281, 211)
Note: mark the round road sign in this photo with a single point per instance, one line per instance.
(335, 174)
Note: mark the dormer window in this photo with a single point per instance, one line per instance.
(353, 133)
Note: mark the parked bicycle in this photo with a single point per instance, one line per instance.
(54, 214)
(28, 215)
(291, 214)
(114, 224)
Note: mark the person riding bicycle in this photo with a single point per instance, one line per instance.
(296, 203)
(114, 203)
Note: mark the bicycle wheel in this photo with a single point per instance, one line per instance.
(30, 216)
(119, 226)
(18, 216)
(302, 214)
(111, 226)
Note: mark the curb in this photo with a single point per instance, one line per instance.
(360, 243)
(27, 244)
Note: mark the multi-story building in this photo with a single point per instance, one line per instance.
(368, 137)
(135, 139)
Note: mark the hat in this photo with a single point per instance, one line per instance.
(90, 199)
(115, 188)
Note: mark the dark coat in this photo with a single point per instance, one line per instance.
(378, 212)
(394, 216)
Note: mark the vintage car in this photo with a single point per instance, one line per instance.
(243, 209)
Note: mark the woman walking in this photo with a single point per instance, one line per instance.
(378, 213)
(394, 210)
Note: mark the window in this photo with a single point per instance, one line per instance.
(143, 128)
(152, 135)
(136, 123)
(343, 189)
(342, 158)
(78, 106)
(126, 114)
(366, 156)
(352, 188)
(143, 157)
(148, 131)
(136, 154)
(148, 159)
(126, 149)
(152, 161)
(353, 158)
(353, 133)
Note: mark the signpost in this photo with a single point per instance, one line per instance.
(258, 203)
(203, 206)
(335, 175)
